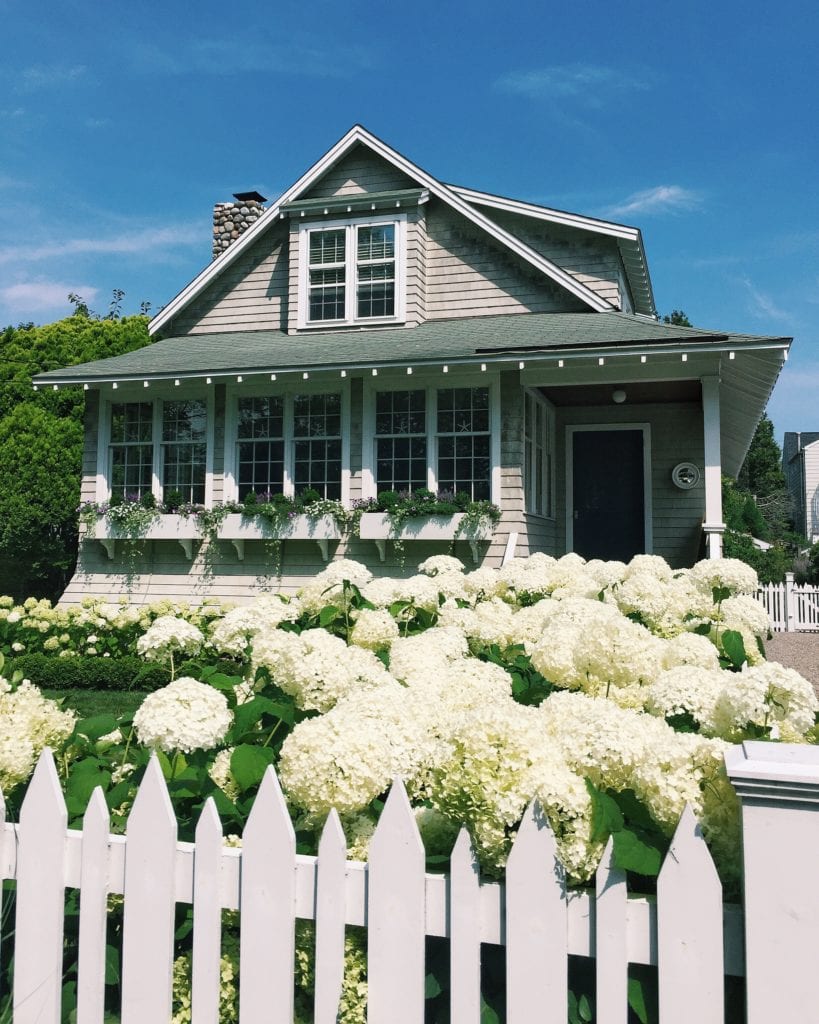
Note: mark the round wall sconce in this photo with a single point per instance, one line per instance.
(618, 396)
(685, 475)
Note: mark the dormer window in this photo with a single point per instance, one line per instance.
(351, 273)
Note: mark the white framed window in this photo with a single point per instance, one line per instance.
(538, 454)
(155, 447)
(445, 438)
(352, 272)
(287, 441)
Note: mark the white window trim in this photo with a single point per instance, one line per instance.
(430, 384)
(399, 222)
(235, 391)
(530, 471)
(648, 518)
(131, 395)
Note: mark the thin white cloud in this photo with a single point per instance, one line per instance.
(224, 56)
(659, 199)
(591, 84)
(36, 297)
(45, 76)
(762, 305)
(145, 242)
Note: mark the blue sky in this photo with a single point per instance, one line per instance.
(121, 124)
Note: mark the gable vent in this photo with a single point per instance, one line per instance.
(230, 220)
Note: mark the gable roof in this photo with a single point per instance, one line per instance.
(358, 135)
(629, 239)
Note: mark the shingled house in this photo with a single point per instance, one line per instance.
(376, 329)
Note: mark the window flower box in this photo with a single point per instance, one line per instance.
(379, 527)
(238, 528)
(183, 529)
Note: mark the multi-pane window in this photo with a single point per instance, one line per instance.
(375, 270)
(131, 450)
(317, 444)
(327, 270)
(184, 448)
(157, 447)
(351, 272)
(464, 458)
(400, 440)
(454, 423)
(260, 445)
(538, 454)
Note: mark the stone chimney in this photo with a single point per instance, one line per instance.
(232, 219)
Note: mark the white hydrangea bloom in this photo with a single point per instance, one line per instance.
(687, 689)
(489, 622)
(169, 636)
(764, 695)
(591, 646)
(374, 629)
(220, 772)
(737, 576)
(605, 574)
(28, 722)
(483, 583)
(689, 649)
(651, 565)
(349, 756)
(428, 654)
(185, 715)
(327, 588)
(234, 633)
(439, 565)
(315, 667)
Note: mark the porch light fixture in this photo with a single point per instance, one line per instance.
(685, 357)
(115, 385)
(343, 373)
(56, 387)
(643, 359)
(409, 371)
(375, 372)
(732, 355)
(685, 475)
(483, 367)
(85, 387)
(272, 376)
(239, 378)
(560, 363)
(446, 368)
(305, 375)
(208, 380)
(176, 383)
(601, 361)
(521, 365)
(618, 396)
(145, 383)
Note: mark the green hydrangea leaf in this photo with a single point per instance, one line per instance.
(248, 764)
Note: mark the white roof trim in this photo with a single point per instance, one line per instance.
(574, 220)
(357, 135)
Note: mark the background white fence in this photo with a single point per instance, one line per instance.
(686, 932)
(791, 606)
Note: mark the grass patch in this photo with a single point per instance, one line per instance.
(88, 703)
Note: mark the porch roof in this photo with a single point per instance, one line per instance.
(470, 340)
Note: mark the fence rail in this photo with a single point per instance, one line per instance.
(792, 607)
(686, 932)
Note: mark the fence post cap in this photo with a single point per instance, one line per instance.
(774, 771)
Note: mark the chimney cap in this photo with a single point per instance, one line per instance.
(244, 197)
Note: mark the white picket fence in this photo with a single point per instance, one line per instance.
(686, 931)
(791, 606)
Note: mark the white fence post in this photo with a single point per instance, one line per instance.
(790, 604)
(778, 784)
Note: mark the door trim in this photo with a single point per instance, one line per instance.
(571, 429)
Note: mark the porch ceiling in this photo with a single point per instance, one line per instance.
(637, 393)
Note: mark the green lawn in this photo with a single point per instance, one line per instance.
(88, 703)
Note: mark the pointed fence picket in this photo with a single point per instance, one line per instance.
(791, 606)
(685, 932)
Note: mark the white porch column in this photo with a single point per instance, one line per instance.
(713, 525)
(778, 786)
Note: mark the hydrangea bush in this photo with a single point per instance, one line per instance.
(608, 691)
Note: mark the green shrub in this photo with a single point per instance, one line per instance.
(85, 672)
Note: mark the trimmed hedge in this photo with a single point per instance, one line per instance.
(85, 672)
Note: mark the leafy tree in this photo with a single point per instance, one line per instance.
(678, 318)
(761, 473)
(41, 439)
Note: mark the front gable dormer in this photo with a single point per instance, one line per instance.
(391, 261)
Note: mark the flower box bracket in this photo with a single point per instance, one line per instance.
(237, 529)
(181, 529)
(378, 527)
